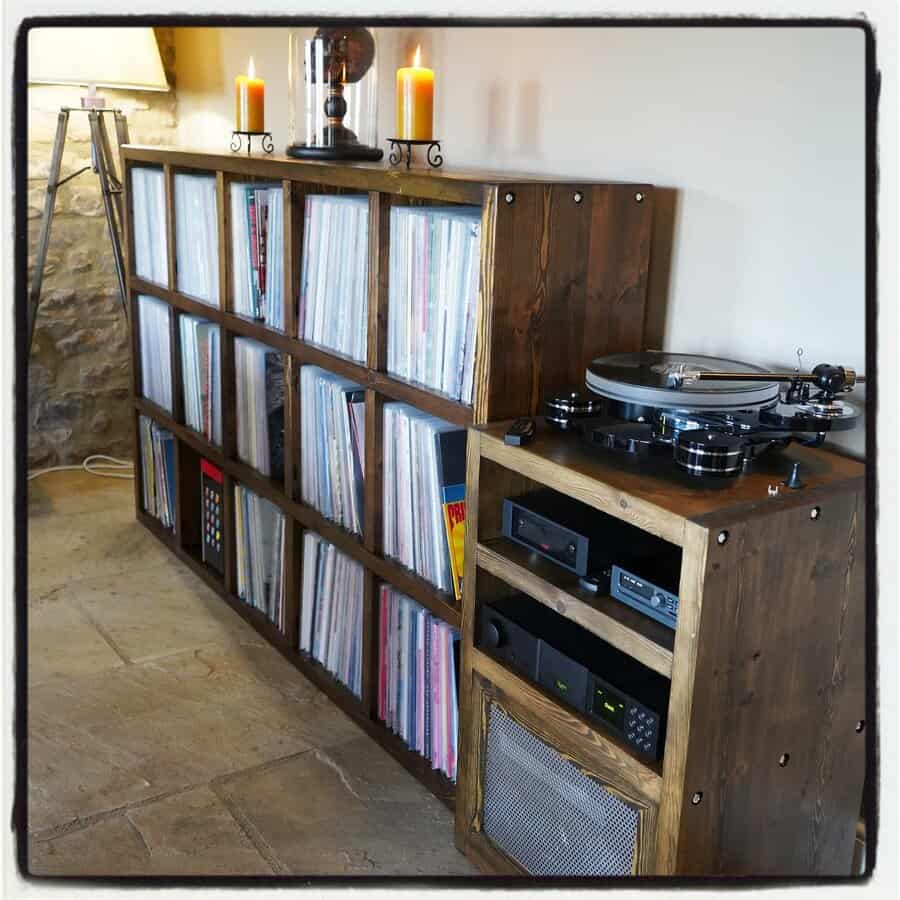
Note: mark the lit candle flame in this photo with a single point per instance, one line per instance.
(250, 70)
(417, 59)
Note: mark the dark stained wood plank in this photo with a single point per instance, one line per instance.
(294, 208)
(430, 401)
(292, 432)
(228, 394)
(457, 187)
(549, 313)
(373, 503)
(155, 527)
(259, 331)
(171, 258)
(179, 301)
(293, 550)
(370, 645)
(781, 662)
(379, 256)
(187, 435)
(175, 365)
(263, 485)
(188, 499)
(423, 592)
(560, 282)
(618, 258)
(223, 211)
(229, 545)
(331, 361)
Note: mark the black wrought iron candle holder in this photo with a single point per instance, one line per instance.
(265, 142)
(433, 154)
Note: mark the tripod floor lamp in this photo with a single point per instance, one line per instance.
(124, 58)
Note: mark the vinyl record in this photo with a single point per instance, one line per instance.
(654, 378)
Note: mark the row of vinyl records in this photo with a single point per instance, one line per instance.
(418, 655)
(424, 459)
(424, 456)
(433, 270)
(157, 448)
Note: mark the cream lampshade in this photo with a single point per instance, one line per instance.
(126, 58)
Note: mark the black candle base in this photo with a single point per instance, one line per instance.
(433, 155)
(237, 140)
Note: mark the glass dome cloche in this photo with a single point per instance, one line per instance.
(334, 94)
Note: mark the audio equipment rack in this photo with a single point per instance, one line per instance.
(765, 750)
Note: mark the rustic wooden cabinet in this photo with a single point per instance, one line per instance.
(765, 749)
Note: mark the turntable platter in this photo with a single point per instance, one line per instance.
(654, 378)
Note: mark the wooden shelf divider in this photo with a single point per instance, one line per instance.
(639, 636)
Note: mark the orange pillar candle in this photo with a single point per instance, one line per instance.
(415, 101)
(249, 102)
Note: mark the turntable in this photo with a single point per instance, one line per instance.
(710, 416)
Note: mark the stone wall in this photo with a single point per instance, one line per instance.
(79, 370)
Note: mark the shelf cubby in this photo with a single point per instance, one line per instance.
(648, 641)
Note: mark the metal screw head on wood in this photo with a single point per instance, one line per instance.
(696, 798)
(815, 512)
(722, 537)
(639, 197)
(578, 196)
(509, 197)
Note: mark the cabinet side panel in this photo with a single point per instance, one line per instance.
(779, 690)
(569, 283)
(617, 267)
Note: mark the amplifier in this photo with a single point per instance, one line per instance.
(565, 531)
(579, 669)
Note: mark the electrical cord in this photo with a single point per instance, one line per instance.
(96, 464)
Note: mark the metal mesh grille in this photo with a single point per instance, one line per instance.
(548, 815)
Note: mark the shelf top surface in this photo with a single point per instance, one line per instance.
(379, 175)
(566, 459)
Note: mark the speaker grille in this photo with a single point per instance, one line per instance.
(547, 814)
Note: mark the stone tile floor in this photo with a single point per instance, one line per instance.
(167, 738)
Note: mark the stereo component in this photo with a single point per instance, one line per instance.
(572, 534)
(579, 669)
(645, 596)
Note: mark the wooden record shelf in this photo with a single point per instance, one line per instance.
(563, 278)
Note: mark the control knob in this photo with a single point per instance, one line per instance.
(494, 634)
(656, 601)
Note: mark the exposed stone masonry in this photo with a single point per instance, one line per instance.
(79, 370)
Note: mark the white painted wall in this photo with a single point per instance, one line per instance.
(753, 137)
